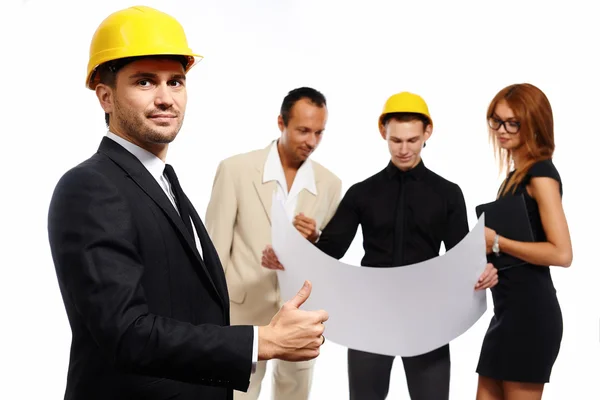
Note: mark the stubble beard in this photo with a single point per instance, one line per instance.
(136, 127)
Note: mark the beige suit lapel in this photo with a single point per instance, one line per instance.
(306, 200)
(264, 190)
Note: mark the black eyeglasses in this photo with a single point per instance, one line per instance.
(509, 126)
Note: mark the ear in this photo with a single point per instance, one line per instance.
(280, 123)
(105, 97)
(383, 131)
(428, 131)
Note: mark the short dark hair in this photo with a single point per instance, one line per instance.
(406, 117)
(314, 96)
(107, 72)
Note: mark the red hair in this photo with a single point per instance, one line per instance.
(534, 113)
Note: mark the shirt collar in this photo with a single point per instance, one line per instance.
(153, 164)
(305, 177)
(417, 173)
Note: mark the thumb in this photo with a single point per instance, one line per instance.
(302, 295)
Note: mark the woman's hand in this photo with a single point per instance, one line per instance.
(488, 279)
(490, 234)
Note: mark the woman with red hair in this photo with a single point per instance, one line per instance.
(525, 333)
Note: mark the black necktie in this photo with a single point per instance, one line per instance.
(184, 210)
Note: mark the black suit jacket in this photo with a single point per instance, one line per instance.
(149, 316)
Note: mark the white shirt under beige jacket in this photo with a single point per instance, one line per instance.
(238, 221)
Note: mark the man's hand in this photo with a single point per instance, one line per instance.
(307, 227)
(293, 334)
(488, 279)
(269, 259)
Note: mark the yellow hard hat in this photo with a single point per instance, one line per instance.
(137, 31)
(405, 102)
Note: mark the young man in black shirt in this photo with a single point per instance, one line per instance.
(406, 211)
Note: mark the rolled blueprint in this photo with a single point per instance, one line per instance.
(399, 311)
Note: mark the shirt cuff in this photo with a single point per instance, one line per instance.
(318, 237)
(255, 349)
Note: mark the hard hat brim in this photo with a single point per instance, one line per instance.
(110, 55)
(405, 102)
(382, 116)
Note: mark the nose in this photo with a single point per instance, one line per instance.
(404, 147)
(501, 129)
(164, 97)
(311, 141)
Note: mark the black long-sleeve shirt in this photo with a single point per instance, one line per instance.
(405, 216)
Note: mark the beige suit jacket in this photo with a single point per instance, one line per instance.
(238, 221)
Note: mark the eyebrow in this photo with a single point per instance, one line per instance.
(306, 128)
(407, 139)
(150, 75)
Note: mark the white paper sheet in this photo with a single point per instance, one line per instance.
(400, 311)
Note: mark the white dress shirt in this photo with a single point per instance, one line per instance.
(156, 167)
(305, 179)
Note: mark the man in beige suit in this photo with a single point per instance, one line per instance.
(238, 221)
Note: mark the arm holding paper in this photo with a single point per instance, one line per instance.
(557, 250)
(335, 239)
(457, 229)
(308, 226)
(338, 235)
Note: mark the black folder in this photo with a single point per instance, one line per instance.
(509, 218)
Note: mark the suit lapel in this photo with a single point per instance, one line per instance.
(306, 199)
(140, 175)
(264, 190)
(265, 193)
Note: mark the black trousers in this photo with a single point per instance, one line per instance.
(427, 375)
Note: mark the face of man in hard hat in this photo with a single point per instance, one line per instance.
(304, 131)
(405, 141)
(147, 103)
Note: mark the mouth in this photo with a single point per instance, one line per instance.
(162, 118)
(503, 140)
(406, 158)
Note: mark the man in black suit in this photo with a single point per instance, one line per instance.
(141, 281)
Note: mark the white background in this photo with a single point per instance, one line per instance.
(456, 54)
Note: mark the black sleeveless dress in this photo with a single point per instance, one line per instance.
(525, 333)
